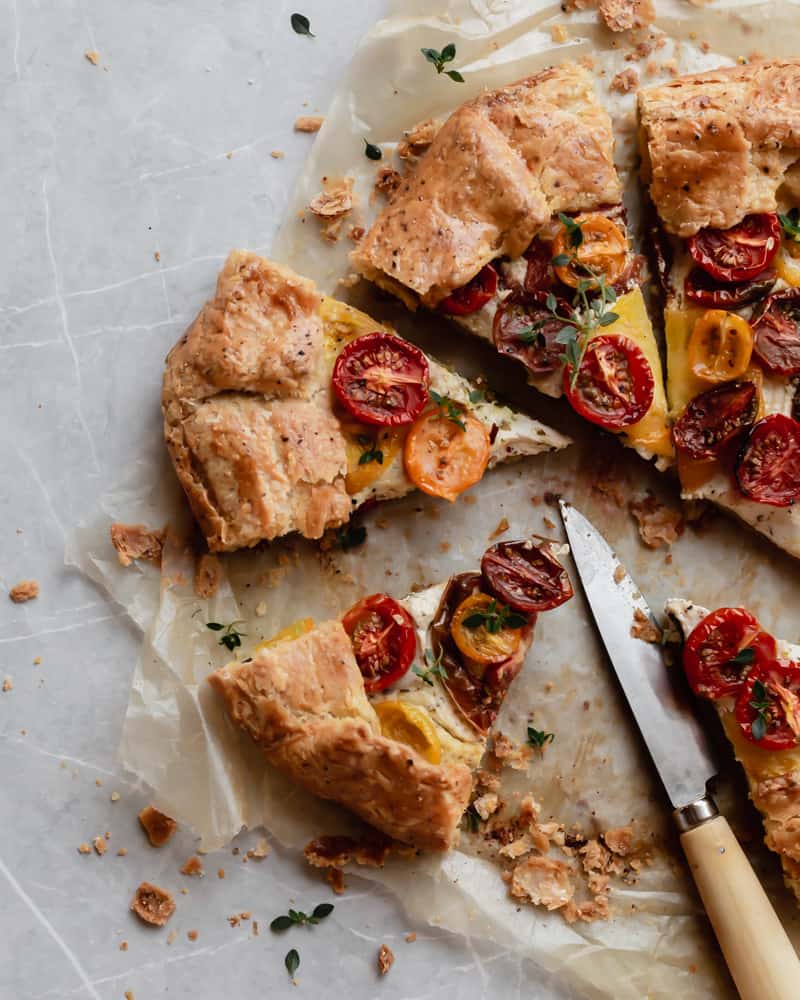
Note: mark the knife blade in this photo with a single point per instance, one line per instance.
(678, 745)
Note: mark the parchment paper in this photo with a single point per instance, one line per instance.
(175, 736)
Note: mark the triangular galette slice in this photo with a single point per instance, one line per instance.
(286, 411)
(753, 681)
(721, 159)
(512, 224)
(387, 710)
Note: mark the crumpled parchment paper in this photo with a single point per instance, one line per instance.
(595, 774)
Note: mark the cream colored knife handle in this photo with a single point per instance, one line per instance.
(759, 954)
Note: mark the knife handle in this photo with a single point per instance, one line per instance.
(760, 956)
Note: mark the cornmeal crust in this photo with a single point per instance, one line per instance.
(303, 703)
(498, 169)
(716, 146)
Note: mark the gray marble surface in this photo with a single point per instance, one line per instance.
(123, 187)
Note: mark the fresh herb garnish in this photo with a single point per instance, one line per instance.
(760, 702)
(231, 638)
(744, 657)
(449, 408)
(790, 224)
(371, 454)
(434, 665)
(471, 819)
(350, 536)
(441, 59)
(371, 151)
(495, 617)
(292, 961)
(538, 738)
(301, 25)
(296, 918)
(476, 395)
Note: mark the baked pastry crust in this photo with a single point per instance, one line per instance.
(717, 146)
(498, 169)
(303, 702)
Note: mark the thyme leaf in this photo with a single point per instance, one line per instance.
(433, 668)
(292, 961)
(441, 59)
(449, 409)
(231, 637)
(538, 738)
(301, 25)
(371, 151)
(495, 617)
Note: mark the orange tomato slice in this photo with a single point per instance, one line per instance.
(479, 644)
(293, 631)
(370, 452)
(720, 346)
(603, 249)
(410, 725)
(441, 458)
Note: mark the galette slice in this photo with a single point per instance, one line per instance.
(387, 710)
(285, 411)
(511, 223)
(721, 159)
(753, 681)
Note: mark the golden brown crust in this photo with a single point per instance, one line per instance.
(495, 172)
(303, 703)
(717, 145)
(247, 419)
(778, 800)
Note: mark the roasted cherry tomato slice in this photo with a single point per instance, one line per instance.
(776, 331)
(443, 458)
(615, 383)
(486, 631)
(381, 379)
(539, 275)
(701, 288)
(472, 296)
(715, 419)
(603, 250)
(382, 634)
(410, 725)
(525, 329)
(526, 576)
(720, 346)
(768, 707)
(768, 469)
(711, 651)
(740, 252)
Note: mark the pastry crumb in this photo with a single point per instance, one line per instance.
(260, 851)
(115, 796)
(25, 590)
(128, 994)
(192, 935)
(356, 233)
(335, 200)
(207, 576)
(624, 15)
(501, 529)
(261, 609)
(486, 805)
(8, 684)
(385, 959)
(659, 524)
(625, 81)
(122, 852)
(123, 946)
(543, 882)
(84, 849)
(411, 937)
(335, 852)
(37, 660)
(619, 574)
(100, 845)
(642, 628)
(335, 878)
(387, 181)
(158, 826)
(308, 123)
(221, 873)
(171, 936)
(137, 541)
(417, 139)
(194, 866)
(152, 904)
(92, 56)
(277, 154)
(558, 33)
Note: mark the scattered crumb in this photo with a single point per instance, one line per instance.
(192, 935)
(152, 904)
(387, 181)
(625, 81)
(171, 936)
(486, 805)
(277, 154)
(84, 849)
(25, 590)
(158, 827)
(335, 878)
(550, 525)
(37, 660)
(98, 782)
(558, 33)
(619, 574)
(136, 541)
(122, 852)
(115, 796)
(372, 849)
(642, 628)
(507, 753)
(260, 851)
(221, 873)
(308, 123)
(207, 576)
(335, 200)
(92, 56)
(623, 15)
(123, 946)
(501, 529)
(194, 866)
(128, 994)
(417, 139)
(255, 928)
(542, 881)
(619, 841)
(412, 937)
(100, 845)
(385, 959)
(8, 684)
(658, 524)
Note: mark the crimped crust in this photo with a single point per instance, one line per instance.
(717, 146)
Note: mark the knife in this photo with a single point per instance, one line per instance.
(760, 956)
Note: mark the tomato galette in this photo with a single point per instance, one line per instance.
(512, 225)
(387, 709)
(721, 158)
(285, 411)
(753, 681)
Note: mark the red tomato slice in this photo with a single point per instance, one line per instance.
(384, 643)
(738, 253)
(709, 652)
(701, 288)
(472, 296)
(715, 419)
(776, 328)
(768, 707)
(525, 329)
(539, 275)
(615, 383)
(768, 469)
(525, 576)
(381, 379)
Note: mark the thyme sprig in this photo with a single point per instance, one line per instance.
(231, 637)
(433, 668)
(538, 738)
(371, 453)
(495, 617)
(449, 409)
(441, 59)
(296, 918)
(790, 224)
(761, 703)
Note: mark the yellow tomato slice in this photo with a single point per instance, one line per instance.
(603, 248)
(370, 452)
(720, 346)
(444, 459)
(478, 644)
(293, 631)
(787, 263)
(411, 726)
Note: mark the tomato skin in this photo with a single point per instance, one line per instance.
(768, 467)
(383, 638)
(474, 295)
(539, 275)
(776, 328)
(381, 379)
(738, 253)
(526, 577)
(720, 346)
(443, 460)
(700, 287)
(517, 313)
(715, 419)
(615, 383)
(714, 642)
(604, 249)
(779, 734)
